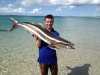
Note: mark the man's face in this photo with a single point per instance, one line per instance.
(49, 23)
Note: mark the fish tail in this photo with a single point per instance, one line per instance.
(15, 22)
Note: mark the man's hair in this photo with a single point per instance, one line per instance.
(49, 16)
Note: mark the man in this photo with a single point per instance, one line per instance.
(47, 56)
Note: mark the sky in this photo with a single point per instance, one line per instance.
(55, 7)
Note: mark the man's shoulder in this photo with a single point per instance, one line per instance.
(55, 32)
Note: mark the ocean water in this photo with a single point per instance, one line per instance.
(18, 53)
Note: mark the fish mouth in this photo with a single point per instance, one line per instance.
(70, 47)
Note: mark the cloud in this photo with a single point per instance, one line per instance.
(71, 7)
(15, 9)
(58, 2)
(25, 3)
(26, 6)
(10, 5)
(59, 9)
(64, 7)
(95, 2)
(98, 10)
(10, 10)
(36, 11)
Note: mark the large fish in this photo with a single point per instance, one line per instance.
(41, 32)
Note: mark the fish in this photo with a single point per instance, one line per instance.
(54, 42)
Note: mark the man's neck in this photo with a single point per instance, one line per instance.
(49, 29)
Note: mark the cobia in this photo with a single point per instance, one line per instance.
(41, 32)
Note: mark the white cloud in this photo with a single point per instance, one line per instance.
(71, 7)
(95, 2)
(59, 9)
(76, 2)
(7, 10)
(10, 5)
(25, 3)
(58, 2)
(64, 7)
(20, 10)
(36, 11)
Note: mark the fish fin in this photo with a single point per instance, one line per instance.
(13, 27)
(40, 24)
(30, 32)
(52, 46)
(13, 20)
(14, 24)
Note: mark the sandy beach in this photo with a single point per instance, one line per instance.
(18, 53)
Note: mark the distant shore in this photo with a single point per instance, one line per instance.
(55, 16)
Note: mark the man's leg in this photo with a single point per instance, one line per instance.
(44, 69)
(54, 69)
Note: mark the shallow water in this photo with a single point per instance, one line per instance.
(18, 53)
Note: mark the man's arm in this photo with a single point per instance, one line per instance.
(38, 43)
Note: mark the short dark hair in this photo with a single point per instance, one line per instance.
(49, 16)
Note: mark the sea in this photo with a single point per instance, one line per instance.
(18, 52)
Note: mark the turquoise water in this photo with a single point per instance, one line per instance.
(18, 53)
